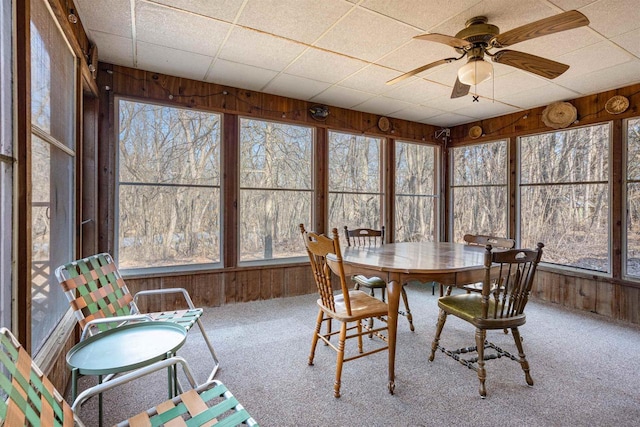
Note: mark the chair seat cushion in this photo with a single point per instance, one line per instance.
(363, 306)
(370, 282)
(468, 307)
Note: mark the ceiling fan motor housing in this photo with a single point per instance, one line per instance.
(478, 32)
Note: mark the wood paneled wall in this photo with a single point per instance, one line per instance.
(609, 296)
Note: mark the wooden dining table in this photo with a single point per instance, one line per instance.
(451, 264)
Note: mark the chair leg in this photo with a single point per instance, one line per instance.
(406, 306)
(523, 361)
(481, 336)
(442, 318)
(316, 332)
(340, 359)
(360, 336)
(216, 363)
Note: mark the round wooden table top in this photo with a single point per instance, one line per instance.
(417, 257)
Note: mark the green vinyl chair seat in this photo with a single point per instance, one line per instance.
(468, 307)
(369, 282)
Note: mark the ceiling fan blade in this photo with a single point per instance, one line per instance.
(553, 24)
(444, 39)
(420, 69)
(459, 89)
(531, 63)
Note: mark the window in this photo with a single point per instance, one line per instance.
(6, 165)
(633, 199)
(53, 83)
(416, 193)
(276, 188)
(355, 181)
(169, 186)
(564, 196)
(479, 190)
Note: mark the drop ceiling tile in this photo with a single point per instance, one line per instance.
(239, 75)
(629, 41)
(113, 17)
(605, 79)
(486, 109)
(416, 53)
(259, 50)
(417, 113)
(382, 105)
(507, 84)
(114, 49)
(538, 97)
(449, 119)
(172, 61)
(295, 87)
(593, 58)
(342, 97)
(572, 4)
(607, 19)
(419, 13)
(222, 10)
(366, 35)
(371, 79)
(418, 91)
(324, 66)
(165, 26)
(283, 17)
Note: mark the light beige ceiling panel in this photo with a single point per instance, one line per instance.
(239, 75)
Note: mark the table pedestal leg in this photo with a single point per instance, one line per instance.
(393, 291)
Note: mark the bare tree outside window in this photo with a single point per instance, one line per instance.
(633, 198)
(169, 186)
(479, 189)
(416, 192)
(564, 196)
(276, 188)
(355, 181)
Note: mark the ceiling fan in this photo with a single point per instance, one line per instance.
(478, 38)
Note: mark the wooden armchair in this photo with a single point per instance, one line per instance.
(101, 300)
(32, 400)
(505, 291)
(366, 237)
(349, 307)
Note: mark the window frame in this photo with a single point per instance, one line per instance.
(625, 200)
(436, 195)
(507, 184)
(610, 184)
(314, 193)
(164, 269)
(385, 210)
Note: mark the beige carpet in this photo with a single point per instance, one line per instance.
(586, 371)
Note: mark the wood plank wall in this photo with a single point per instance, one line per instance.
(609, 296)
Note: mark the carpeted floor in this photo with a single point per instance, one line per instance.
(585, 368)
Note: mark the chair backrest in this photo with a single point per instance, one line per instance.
(483, 240)
(319, 247)
(95, 289)
(31, 399)
(362, 237)
(508, 280)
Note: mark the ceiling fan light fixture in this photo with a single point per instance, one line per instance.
(474, 72)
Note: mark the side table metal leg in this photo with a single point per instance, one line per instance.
(100, 403)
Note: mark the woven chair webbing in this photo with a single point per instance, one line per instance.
(191, 409)
(32, 398)
(100, 291)
(185, 318)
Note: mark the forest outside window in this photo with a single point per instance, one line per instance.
(276, 189)
(168, 186)
(632, 253)
(53, 109)
(355, 181)
(416, 196)
(564, 196)
(479, 190)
